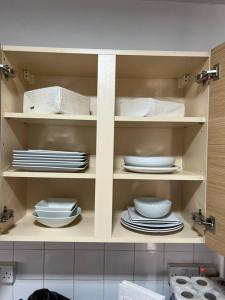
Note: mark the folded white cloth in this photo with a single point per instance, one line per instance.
(131, 291)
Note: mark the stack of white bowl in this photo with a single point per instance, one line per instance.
(151, 215)
(150, 164)
(56, 212)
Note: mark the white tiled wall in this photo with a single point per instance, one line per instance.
(84, 271)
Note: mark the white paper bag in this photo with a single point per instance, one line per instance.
(55, 100)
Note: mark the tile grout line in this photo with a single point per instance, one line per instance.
(16, 278)
(103, 277)
(43, 280)
(74, 251)
(134, 263)
(164, 263)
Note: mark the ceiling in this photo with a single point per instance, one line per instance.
(197, 1)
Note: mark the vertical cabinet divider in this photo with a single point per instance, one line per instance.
(105, 145)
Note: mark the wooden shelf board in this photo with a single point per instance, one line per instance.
(53, 119)
(27, 229)
(83, 231)
(120, 233)
(14, 48)
(124, 121)
(181, 175)
(88, 174)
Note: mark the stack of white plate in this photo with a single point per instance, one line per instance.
(47, 160)
(150, 164)
(168, 224)
(56, 212)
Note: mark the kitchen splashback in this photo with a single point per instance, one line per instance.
(84, 271)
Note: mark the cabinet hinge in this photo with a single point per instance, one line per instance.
(7, 71)
(206, 76)
(209, 223)
(6, 214)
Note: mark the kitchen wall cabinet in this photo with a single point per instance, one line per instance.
(105, 189)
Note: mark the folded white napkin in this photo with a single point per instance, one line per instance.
(147, 107)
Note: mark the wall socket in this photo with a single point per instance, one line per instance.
(7, 273)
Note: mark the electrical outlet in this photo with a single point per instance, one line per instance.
(7, 273)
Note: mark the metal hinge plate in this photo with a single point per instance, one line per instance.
(7, 71)
(209, 223)
(206, 76)
(6, 215)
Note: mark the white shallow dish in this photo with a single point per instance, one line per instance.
(47, 169)
(49, 152)
(150, 170)
(125, 220)
(151, 229)
(56, 204)
(65, 158)
(57, 222)
(170, 218)
(149, 161)
(152, 207)
(50, 163)
(55, 214)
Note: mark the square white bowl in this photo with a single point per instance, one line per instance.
(56, 214)
(57, 222)
(56, 204)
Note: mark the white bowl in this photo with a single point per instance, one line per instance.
(56, 222)
(149, 161)
(56, 214)
(151, 207)
(56, 204)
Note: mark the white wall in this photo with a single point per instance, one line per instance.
(124, 24)
(93, 270)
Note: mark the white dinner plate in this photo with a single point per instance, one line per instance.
(151, 230)
(137, 218)
(56, 204)
(49, 152)
(149, 161)
(125, 217)
(48, 169)
(154, 226)
(150, 170)
(49, 164)
(56, 222)
(50, 158)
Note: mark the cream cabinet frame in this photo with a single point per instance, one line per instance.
(105, 189)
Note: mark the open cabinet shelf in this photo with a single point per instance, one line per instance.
(105, 189)
(179, 175)
(52, 119)
(27, 230)
(121, 234)
(82, 230)
(123, 121)
(89, 174)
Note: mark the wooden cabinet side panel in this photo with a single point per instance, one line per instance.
(216, 154)
(105, 145)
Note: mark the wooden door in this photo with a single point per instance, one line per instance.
(1, 61)
(1, 198)
(215, 205)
